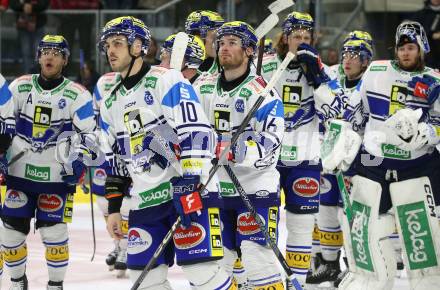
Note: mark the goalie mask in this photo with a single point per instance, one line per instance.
(240, 29)
(359, 35)
(298, 20)
(128, 26)
(56, 42)
(412, 32)
(195, 52)
(201, 21)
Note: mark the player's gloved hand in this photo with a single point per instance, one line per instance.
(78, 168)
(402, 126)
(222, 142)
(3, 165)
(291, 120)
(151, 147)
(340, 147)
(426, 134)
(425, 87)
(314, 70)
(186, 198)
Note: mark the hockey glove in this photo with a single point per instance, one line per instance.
(186, 198)
(222, 142)
(402, 126)
(426, 135)
(313, 70)
(151, 148)
(425, 87)
(78, 169)
(292, 120)
(3, 165)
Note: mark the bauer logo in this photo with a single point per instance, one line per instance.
(15, 199)
(37, 173)
(246, 224)
(417, 235)
(139, 241)
(222, 121)
(306, 186)
(359, 236)
(188, 238)
(42, 118)
(50, 202)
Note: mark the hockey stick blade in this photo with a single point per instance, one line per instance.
(272, 244)
(279, 5)
(270, 22)
(178, 52)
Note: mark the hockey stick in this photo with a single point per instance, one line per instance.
(215, 167)
(54, 135)
(179, 48)
(92, 213)
(345, 197)
(279, 5)
(272, 19)
(263, 229)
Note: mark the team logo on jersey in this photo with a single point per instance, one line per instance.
(61, 104)
(15, 199)
(139, 240)
(239, 105)
(306, 186)
(42, 118)
(135, 128)
(398, 97)
(50, 202)
(188, 238)
(246, 224)
(222, 121)
(148, 98)
(291, 99)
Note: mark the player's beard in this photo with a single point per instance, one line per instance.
(416, 65)
(231, 62)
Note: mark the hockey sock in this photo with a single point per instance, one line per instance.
(55, 239)
(214, 276)
(330, 232)
(15, 252)
(299, 243)
(156, 279)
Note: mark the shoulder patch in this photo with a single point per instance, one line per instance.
(71, 94)
(150, 82)
(206, 89)
(271, 66)
(378, 68)
(24, 88)
(245, 93)
(109, 101)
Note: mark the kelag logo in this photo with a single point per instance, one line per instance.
(37, 173)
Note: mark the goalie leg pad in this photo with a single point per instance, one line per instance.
(156, 279)
(214, 277)
(299, 243)
(14, 251)
(372, 250)
(55, 239)
(261, 265)
(418, 227)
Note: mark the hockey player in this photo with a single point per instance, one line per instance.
(227, 98)
(116, 259)
(306, 91)
(396, 109)
(7, 129)
(152, 115)
(204, 23)
(356, 55)
(44, 106)
(195, 54)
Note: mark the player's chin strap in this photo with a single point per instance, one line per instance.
(122, 82)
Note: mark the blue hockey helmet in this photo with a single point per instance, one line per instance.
(200, 22)
(358, 47)
(297, 20)
(57, 42)
(129, 27)
(195, 52)
(359, 35)
(242, 30)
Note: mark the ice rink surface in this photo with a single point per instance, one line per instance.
(85, 275)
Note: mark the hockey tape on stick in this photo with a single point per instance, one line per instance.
(272, 244)
(279, 5)
(215, 167)
(178, 52)
(266, 25)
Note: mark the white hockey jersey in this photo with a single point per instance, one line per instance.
(38, 112)
(103, 88)
(7, 118)
(164, 105)
(226, 111)
(302, 139)
(381, 93)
